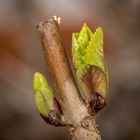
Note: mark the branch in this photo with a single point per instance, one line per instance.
(81, 124)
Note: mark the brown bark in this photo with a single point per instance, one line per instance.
(82, 125)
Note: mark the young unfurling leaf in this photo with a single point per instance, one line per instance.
(89, 63)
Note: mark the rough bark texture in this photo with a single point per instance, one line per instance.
(82, 125)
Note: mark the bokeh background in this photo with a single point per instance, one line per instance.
(21, 55)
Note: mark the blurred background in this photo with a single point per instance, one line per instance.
(21, 56)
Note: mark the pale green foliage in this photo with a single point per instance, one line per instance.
(87, 47)
(44, 96)
(87, 50)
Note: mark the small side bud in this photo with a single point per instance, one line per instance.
(45, 100)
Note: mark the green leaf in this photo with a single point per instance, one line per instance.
(79, 45)
(44, 97)
(94, 53)
(89, 61)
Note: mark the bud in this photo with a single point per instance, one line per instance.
(89, 63)
(45, 100)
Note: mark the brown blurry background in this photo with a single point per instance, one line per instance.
(21, 55)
